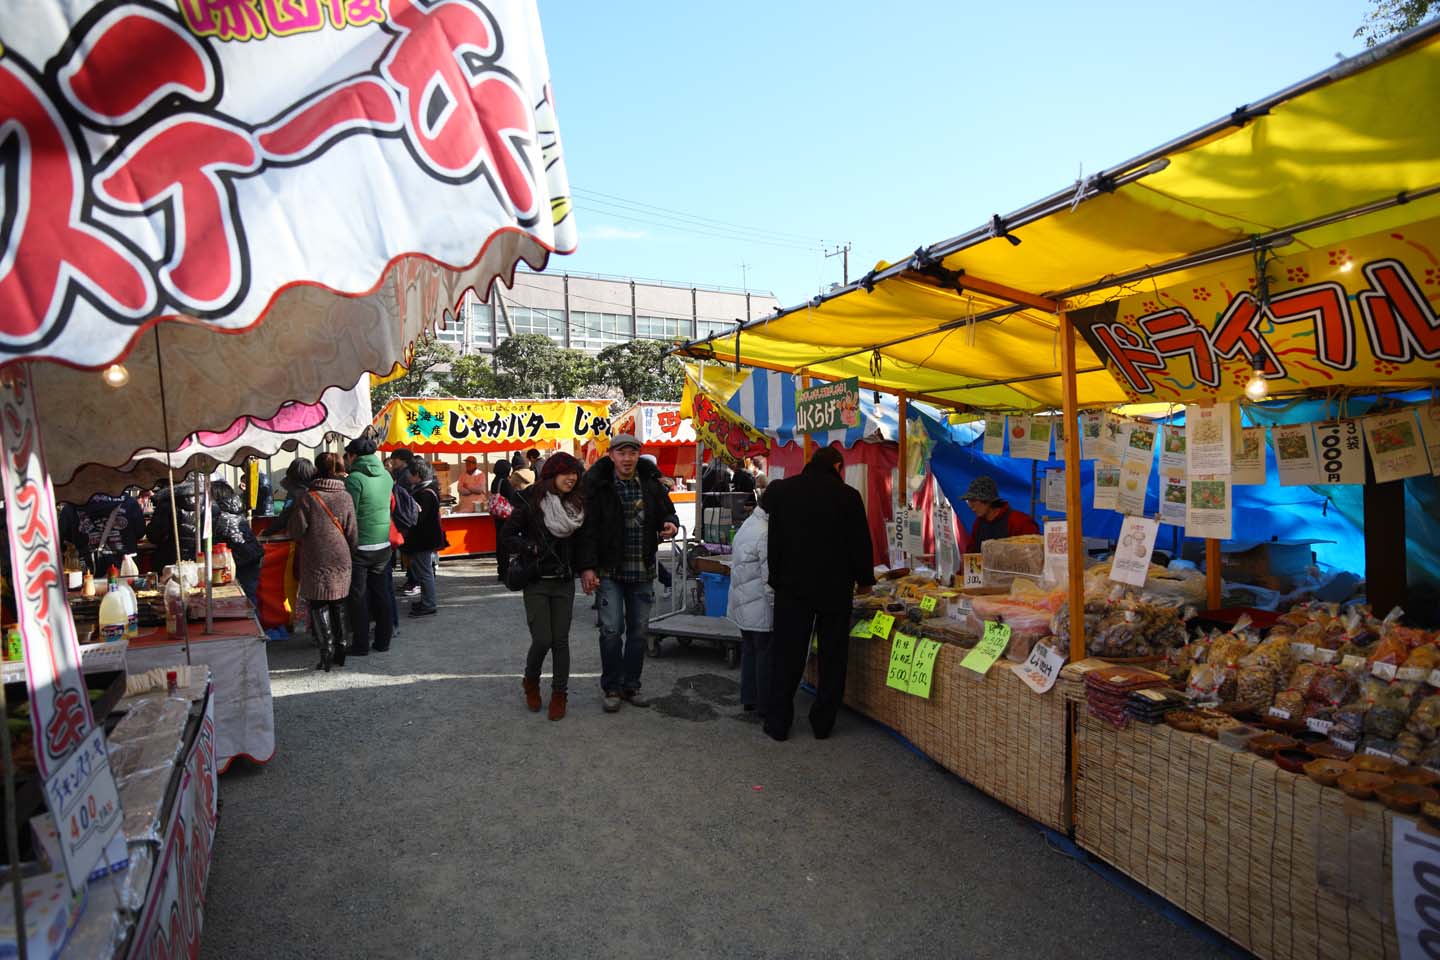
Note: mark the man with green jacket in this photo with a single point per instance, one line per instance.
(369, 486)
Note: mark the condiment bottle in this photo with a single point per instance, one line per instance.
(87, 588)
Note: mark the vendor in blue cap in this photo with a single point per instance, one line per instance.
(994, 518)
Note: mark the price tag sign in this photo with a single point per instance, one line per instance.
(1282, 714)
(1319, 726)
(881, 624)
(1326, 656)
(989, 649)
(1410, 673)
(1377, 752)
(922, 667)
(927, 604)
(974, 570)
(1343, 744)
(1352, 661)
(1042, 668)
(1385, 671)
(901, 650)
(1303, 651)
(861, 630)
(1434, 678)
(86, 805)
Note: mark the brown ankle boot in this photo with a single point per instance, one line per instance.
(532, 694)
(557, 704)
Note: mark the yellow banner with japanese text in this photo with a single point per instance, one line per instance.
(438, 424)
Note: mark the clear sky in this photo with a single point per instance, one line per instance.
(768, 132)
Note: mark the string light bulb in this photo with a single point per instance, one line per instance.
(116, 375)
(1258, 388)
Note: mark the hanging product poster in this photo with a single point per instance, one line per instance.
(1133, 550)
(1091, 422)
(994, 434)
(1430, 429)
(1055, 491)
(1057, 550)
(1340, 450)
(947, 550)
(1057, 424)
(1207, 439)
(1140, 444)
(1030, 438)
(1173, 462)
(1107, 487)
(1295, 455)
(1174, 495)
(1247, 467)
(1209, 515)
(1113, 434)
(1134, 482)
(1395, 448)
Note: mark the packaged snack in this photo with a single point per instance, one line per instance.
(1391, 649)
(1424, 722)
(1391, 710)
(1424, 657)
(1291, 701)
(1204, 684)
(1330, 686)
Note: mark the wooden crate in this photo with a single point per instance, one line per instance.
(1281, 865)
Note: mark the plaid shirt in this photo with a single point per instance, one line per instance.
(635, 567)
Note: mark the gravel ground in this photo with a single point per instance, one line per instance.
(414, 808)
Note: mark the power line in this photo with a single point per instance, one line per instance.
(650, 312)
(682, 227)
(781, 234)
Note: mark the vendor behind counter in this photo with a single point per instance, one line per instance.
(995, 519)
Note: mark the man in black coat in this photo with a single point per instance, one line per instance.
(820, 551)
(627, 514)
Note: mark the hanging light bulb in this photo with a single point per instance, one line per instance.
(1258, 388)
(116, 375)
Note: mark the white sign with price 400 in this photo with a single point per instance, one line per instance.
(86, 806)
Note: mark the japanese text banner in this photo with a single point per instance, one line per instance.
(196, 158)
(457, 425)
(727, 434)
(1358, 314)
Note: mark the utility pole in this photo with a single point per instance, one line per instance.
(844, 253)
(744, 276)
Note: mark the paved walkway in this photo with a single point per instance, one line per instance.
(414, 808)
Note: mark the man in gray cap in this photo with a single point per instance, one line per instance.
(627, 514)
(994, 520)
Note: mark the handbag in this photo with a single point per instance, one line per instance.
(524, 570)
(500, 507)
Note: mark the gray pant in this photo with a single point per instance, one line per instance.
(548, 608)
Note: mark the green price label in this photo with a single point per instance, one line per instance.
(927, 604)
(989, 649)
(901, 650)
(922, 667)
(881, 625)
(861, 630)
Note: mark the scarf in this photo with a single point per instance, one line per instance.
(561, 519)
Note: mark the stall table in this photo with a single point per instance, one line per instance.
(235, 652)
(468, 534)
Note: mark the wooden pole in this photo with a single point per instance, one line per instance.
(1212, 573)
(1075, 545)
(904, 473)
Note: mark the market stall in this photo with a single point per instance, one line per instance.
(434, 427)
(1149, 281)
(218, 328)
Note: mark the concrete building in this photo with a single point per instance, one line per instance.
(591, 312)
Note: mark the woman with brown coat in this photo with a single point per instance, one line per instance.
(323, 524)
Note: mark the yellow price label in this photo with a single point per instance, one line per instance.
(901, 650)
(927, 604)
(922, 667)
(861, 630)
(881, 625)
(989, 649)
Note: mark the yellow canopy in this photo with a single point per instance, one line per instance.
(1339, 148)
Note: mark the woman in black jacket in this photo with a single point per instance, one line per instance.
(542, 534)
(232, 527)
(500, 486)
(425, 540)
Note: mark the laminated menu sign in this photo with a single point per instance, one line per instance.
(1030, 438)
(1295, 455)
(901, 650)
(1133, 550)
(1091, 422)
(1395, 448)
(1057, 550)
(1055, 491)
(994, 434)
(1173, 460)
(1209, 512)
(1174, 496)
(922, 667)
(1338, 446)
(974, 570)
(989, 649)
(1247, 467)
(1429, 416)
(1207, 439)
(1107, 486)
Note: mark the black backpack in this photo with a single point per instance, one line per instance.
(405, 512)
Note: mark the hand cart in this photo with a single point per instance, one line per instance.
(685, 620)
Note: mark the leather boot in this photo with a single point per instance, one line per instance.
(340, 617)
(532, 694)
(557, 704)
(324, 629)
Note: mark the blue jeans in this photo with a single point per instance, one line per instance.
(422, 566)
(755, 668)
(624, 608)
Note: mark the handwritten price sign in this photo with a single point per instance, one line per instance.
(927, 604)
(901, 651)
(861, 630)
(1042, 668)
(880, 626)
(989, 649)
(922, 667)
(86, 805)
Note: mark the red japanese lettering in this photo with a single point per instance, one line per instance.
(179, 164)
(1173, 334)
(51, 255)
(462, 112)
(68, 724)
(1130, 354)
(1238, 329)
(1325, 306)
(669, 421)
(1401, 323)
(110, 86)
(360, 104)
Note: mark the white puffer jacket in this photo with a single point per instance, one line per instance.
(752, 601)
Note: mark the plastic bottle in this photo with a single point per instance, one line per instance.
(113, 616)
(132, 603)
(175, 608)
(128, 568)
